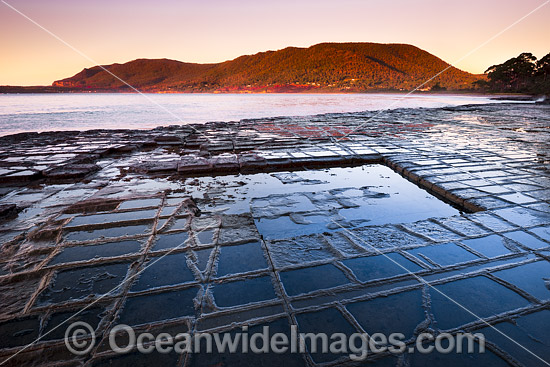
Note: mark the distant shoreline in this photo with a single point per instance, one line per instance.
(64, 90)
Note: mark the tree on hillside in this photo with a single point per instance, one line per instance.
(543, 66)
(514, 75)
(543, 75)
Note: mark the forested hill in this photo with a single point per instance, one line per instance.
(322, 67)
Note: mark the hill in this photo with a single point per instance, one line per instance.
(322, 67)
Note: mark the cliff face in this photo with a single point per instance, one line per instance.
(326, 66)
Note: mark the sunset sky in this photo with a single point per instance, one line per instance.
(203, 31)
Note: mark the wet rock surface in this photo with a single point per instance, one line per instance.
(8, 210)
(284, 221)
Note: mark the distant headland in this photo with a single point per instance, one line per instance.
(323, 68)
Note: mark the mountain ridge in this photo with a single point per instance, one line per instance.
(359, 67)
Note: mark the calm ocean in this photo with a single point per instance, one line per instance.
(83, 111)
